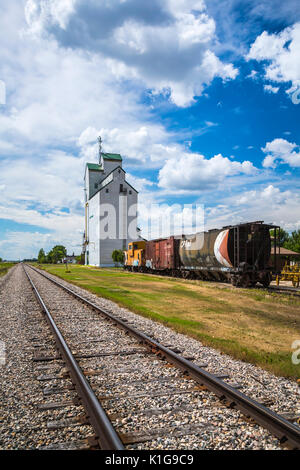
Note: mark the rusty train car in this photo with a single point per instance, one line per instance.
(239, 254)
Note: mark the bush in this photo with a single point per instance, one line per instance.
(118, 256)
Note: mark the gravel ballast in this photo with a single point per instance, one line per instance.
(141, 393)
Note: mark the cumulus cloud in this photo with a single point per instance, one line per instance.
(147, 145)
(281, 151)
(38, 13)
(57, 94)
(276, 206)
(195, 172)
(168, 46)
(281, 52)
(268, 203)
(238, 21)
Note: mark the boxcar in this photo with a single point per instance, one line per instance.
(162, 254)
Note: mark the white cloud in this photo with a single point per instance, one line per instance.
(140, 184)
(184, 6)
(52, 183)
(282, 53)
(146, 145)
(269, 162)
(253, 75)
(281, 151)
(271, 89)
(167, 47)
(195, 172)
(269, 204)
(276, 206)
(239, 20)
(59, 93)
(37, 14)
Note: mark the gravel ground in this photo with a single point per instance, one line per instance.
(140, 393)
(22, 424)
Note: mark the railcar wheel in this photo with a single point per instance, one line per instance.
(245, 281)
(266, 280)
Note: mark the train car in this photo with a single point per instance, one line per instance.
(162, 254)
(135, 255)
(240, 254)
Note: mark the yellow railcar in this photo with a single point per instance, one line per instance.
(134, 256)
(290, 273)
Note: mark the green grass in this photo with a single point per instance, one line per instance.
(4, 267)
(250, 325)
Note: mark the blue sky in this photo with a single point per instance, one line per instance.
(200, 98)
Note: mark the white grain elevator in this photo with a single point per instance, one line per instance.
(110, 210)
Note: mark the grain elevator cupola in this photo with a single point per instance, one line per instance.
(110, 209)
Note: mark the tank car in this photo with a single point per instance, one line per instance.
(238, 253)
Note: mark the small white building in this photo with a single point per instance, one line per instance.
(110, 210)
(71, 259)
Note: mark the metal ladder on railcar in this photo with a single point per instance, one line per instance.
(236, 246)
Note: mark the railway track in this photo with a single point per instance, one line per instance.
(285, 290)
(134, 390)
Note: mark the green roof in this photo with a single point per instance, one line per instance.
(112, 156)
(94, 166)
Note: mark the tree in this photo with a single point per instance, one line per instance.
(282, 236)
(57, 253)
(0, 260)
(118, 256)
(293, 242)
(41, 256)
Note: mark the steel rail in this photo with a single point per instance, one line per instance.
(106, 435)
(286, 291)
(286, 432)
